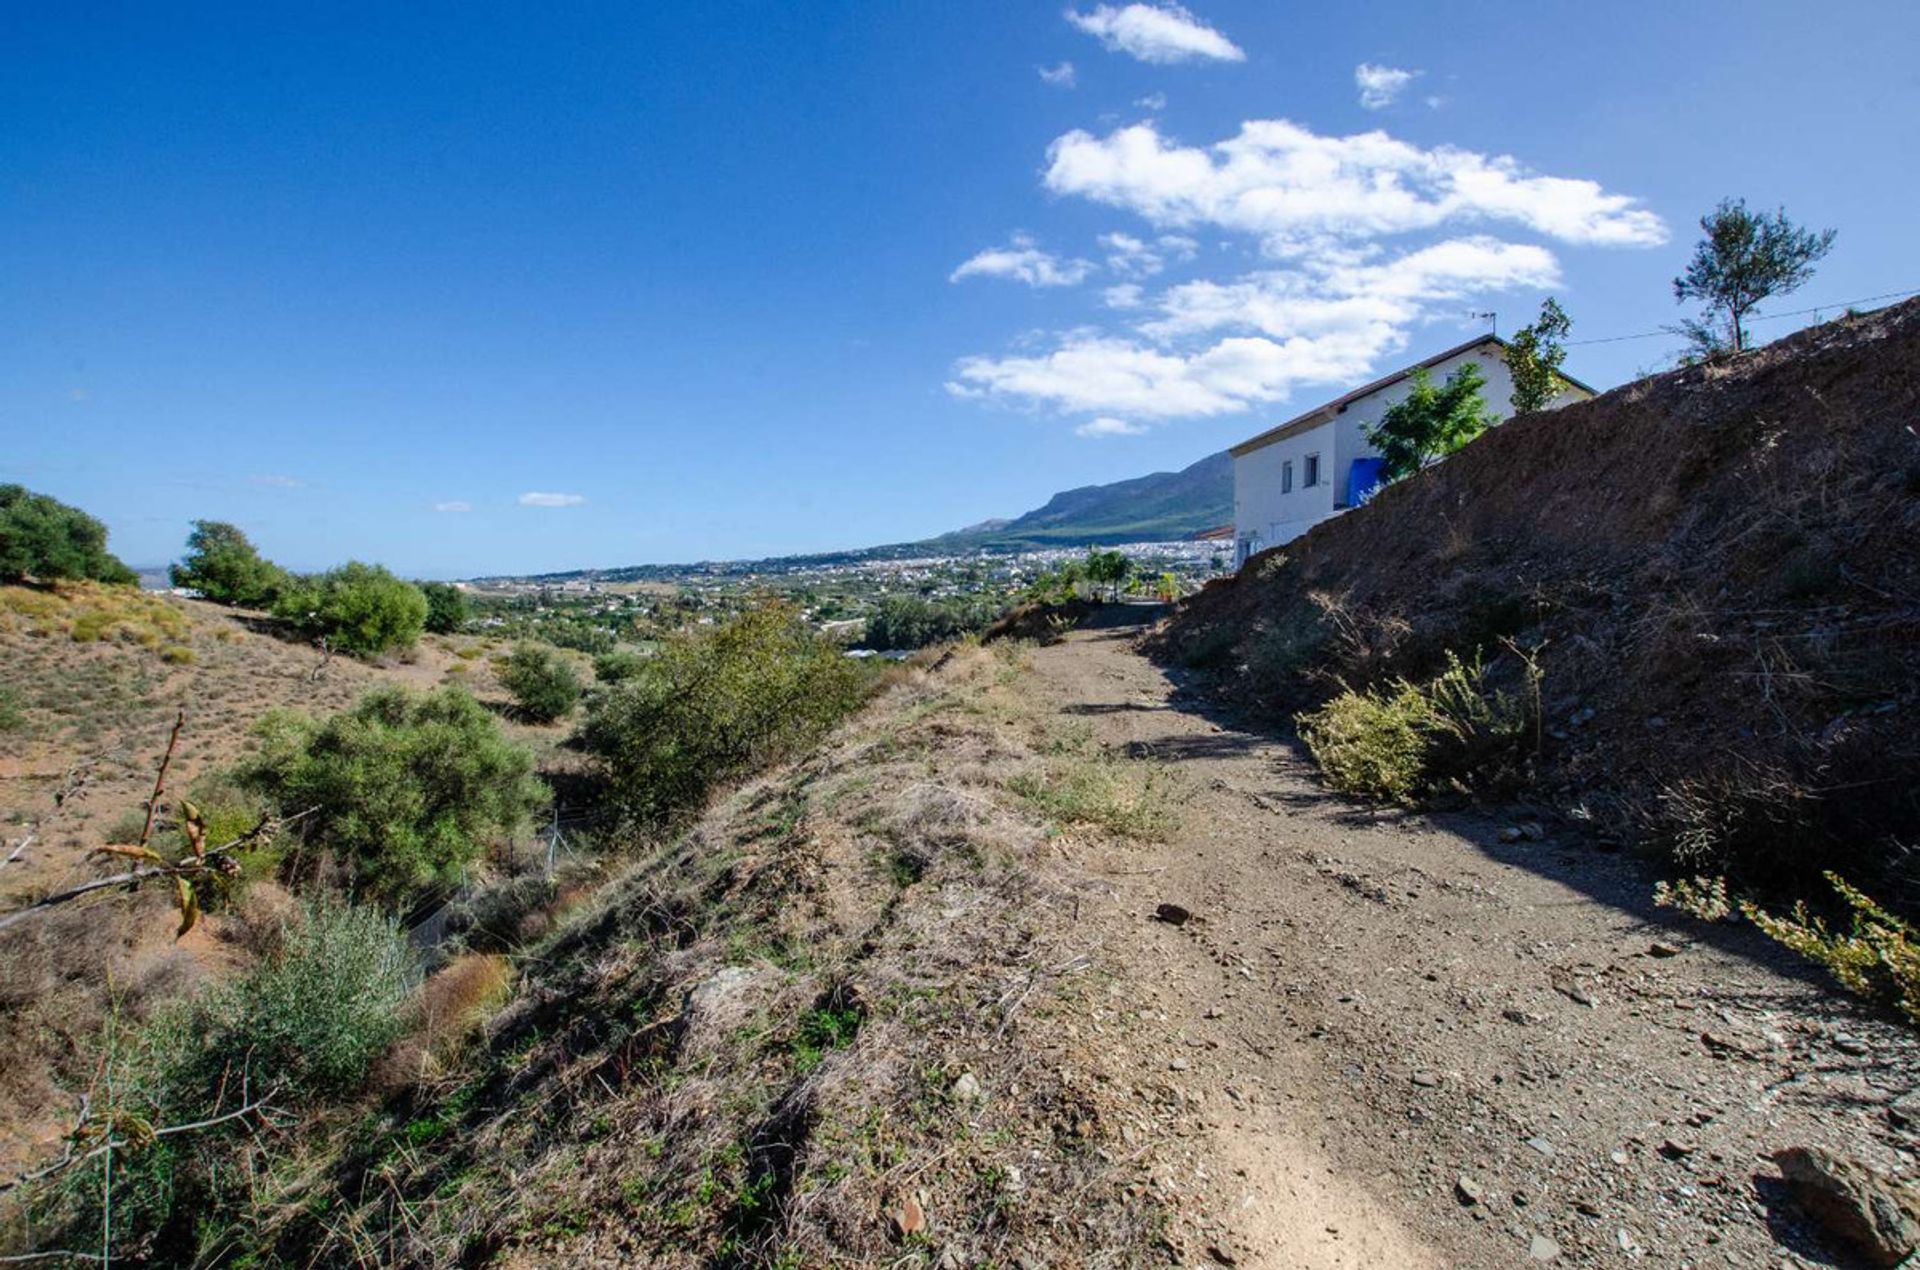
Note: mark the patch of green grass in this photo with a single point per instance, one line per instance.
(822, 1030)
(1134, 799)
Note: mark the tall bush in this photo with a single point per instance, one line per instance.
(357, 608)
(406, 789)
(716, 702)
(224, 566)
(304, 1025)
(543, 685)
(447, 607)
(44, 539)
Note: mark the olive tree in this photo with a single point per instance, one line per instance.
(1534, 355)
(358, 608)
(224, 566)
(44, 539)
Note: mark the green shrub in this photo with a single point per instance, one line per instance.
(225, 567)
(447, 609)
(619, 665)
(313, 1016)
(1878, 959)
(908, 622)
(716, 702)
(1409, 740)
(44, 539)
(1371, 744)
(406, 788)
(304, 1025)
(541, 682)
(12, 718)
(358, 608)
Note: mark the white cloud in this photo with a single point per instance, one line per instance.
(1100, 373)
(456, 505)
(1152, 101)
(1108, 426)
(1380, 85)
(534, 498)
(1131, 257)
(1366, 240)
(1160, 33)
(1349, 295)
(1328, 321)
(1282, 182)
(275, 481)
(1024, 261)
(1061, 76)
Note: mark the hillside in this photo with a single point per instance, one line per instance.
(1161, 507)
(91, 679)
(1716, 567)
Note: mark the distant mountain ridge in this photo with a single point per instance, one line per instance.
(1161, 507)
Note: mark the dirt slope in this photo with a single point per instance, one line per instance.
(90, 682)
(1369, 1006)
(1717, 563)
(908, 1003)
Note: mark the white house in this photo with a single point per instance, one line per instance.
(1290, 478)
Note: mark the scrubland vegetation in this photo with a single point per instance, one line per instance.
(385, 808)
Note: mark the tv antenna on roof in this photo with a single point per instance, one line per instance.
(1491, 319)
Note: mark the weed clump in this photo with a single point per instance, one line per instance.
(1878, 958)
(1130, 798)
(1453, 733)
(304, 1026)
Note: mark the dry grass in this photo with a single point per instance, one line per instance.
(1131, 798)
(745, 1051)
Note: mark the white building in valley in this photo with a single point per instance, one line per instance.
(1290, 478)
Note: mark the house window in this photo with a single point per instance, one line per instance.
(1311, 470)
(1286, 477)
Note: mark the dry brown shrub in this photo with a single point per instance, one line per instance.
(451, 1009)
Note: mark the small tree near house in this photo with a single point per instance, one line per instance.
(1430, 423)
(1534, 355)
(1745, 258)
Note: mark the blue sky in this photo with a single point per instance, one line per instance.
(727, 280)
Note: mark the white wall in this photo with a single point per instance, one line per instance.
(1269, 518)
(1264, 515)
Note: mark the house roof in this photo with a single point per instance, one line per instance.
(1321, 413)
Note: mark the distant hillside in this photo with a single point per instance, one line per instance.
(1161, 507)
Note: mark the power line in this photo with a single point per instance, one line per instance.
(1765, 317)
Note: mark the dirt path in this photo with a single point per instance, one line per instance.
(1393, 1040)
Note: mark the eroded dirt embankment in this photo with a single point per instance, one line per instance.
(1717, 568)
(914, 1001)
(1393, 1039)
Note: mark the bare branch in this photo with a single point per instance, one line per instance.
(160, 778)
